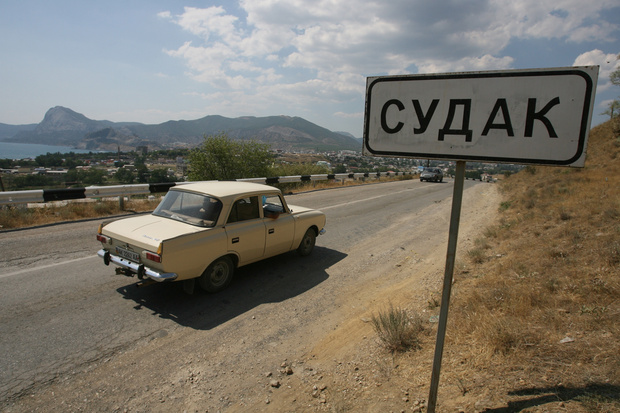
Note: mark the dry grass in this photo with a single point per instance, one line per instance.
(397, 330)
(22, 217)
(539, 302)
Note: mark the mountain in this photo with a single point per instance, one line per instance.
(360, 141)
(8, 131)
(60, 126)
(63, 126)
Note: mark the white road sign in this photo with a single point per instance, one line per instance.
(538, 116)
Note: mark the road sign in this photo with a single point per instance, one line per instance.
(536, 116)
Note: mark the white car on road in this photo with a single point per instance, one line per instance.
(205, 230)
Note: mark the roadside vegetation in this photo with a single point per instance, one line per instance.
(20, 216)
(539, 299)
(397, 329)
(12, 217)
(534, 321)
(218, 158)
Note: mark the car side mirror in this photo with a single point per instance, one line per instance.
(272, 214)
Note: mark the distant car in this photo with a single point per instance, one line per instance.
(431, 174)
(206, 230)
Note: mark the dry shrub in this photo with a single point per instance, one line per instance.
(476, 255)
(396, 329)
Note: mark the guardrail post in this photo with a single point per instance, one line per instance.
(121, 202)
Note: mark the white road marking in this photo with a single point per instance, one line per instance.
(44, 267)
(367, 199)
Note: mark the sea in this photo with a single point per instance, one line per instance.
(10, 150)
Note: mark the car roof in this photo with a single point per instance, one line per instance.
(226, 189)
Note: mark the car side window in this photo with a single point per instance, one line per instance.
(272, 204)
(244, 209)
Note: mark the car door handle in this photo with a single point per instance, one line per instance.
(235, 240)
(272, 230)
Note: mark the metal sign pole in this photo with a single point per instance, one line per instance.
(455, 219)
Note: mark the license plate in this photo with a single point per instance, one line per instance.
(130, 255)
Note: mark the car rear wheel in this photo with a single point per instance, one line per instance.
(217, 276)
(307, 243)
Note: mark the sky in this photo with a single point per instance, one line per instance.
(151, 61)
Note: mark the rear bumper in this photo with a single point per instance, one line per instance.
(136, 268)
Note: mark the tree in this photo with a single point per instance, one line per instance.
(615, 79)
(613, 109)
(615, 76)
(160, 175)
(94, 177)
(85, 177)
(50, 159)
(221, 158)
(124, 176)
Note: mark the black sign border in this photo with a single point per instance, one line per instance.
(583, 133)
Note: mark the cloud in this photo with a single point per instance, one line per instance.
(369, 37)
(357, 115)
(607, 63)
(572, 20)
(301, 52)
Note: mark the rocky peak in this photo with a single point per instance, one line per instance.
(59, 118)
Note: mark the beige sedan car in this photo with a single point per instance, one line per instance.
(205, 230)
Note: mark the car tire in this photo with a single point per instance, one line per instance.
(217, 276)
(307, 243)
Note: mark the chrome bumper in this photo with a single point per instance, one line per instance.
(323, 231)
(136, 268)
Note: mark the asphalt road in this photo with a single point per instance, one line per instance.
(61, 309)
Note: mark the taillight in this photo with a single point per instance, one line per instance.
(153, 257)
(103, 239)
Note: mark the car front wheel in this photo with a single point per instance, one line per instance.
(217, 276)
(307, 243)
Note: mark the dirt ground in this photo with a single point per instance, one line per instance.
(350, 371)
(344, 369)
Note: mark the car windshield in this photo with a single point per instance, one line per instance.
(190, 207)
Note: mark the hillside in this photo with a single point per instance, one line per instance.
(63, 126)
(536, 315)
(534, 322)
(8, 131)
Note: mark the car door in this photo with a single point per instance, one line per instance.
(279, 224)
(245, 230)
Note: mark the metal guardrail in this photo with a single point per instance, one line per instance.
(121, 191)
